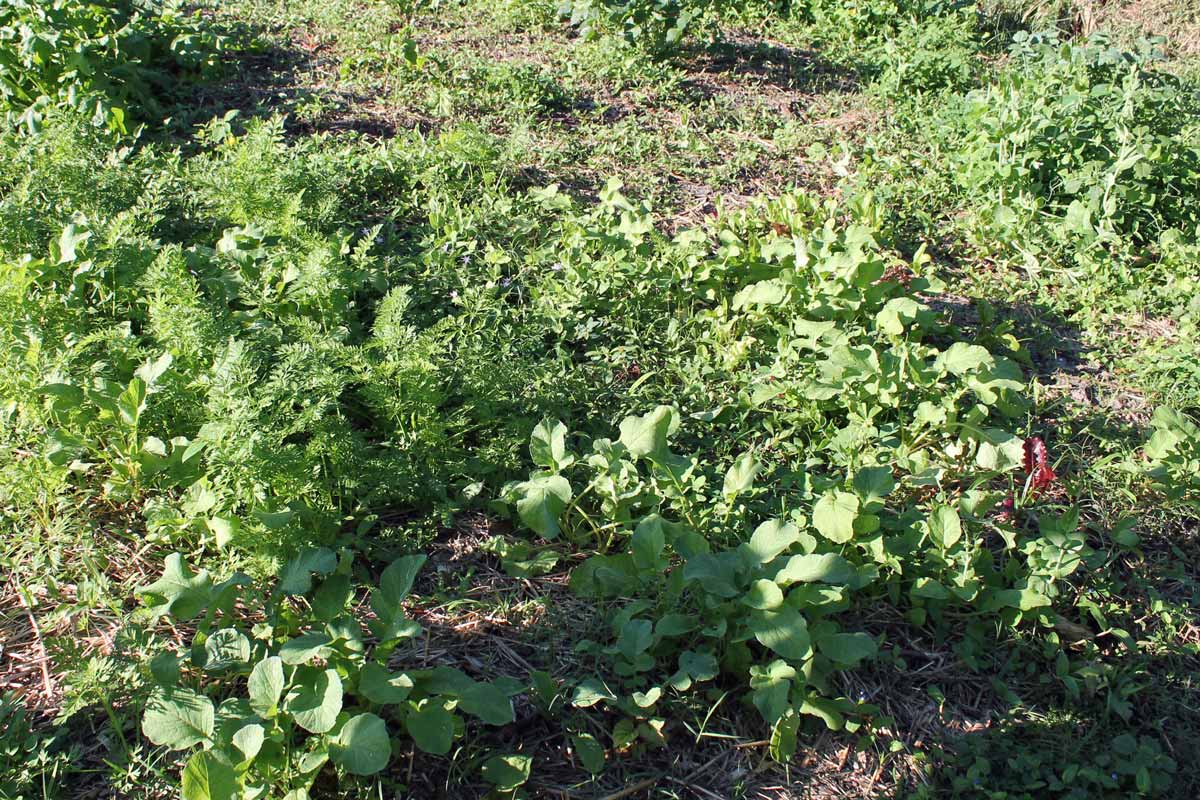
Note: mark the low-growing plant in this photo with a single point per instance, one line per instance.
(1085, 142)
(1173, 457)
(771, 611)
(991, 766)
(31, 761)
(112, 61)
(893, 478)
(654, 25)
(302, 683)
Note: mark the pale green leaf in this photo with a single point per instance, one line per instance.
(178, 718)
(740, 476)
(784, 631)
(646, 436)
(541, 501)
(945, 527)
(763, 595)
(362, 746)
(507, 772)
(834, 515)
(316, 699)
(206, 777)
(296, 576)
(769, 540)
(824, 567)
(266, 686)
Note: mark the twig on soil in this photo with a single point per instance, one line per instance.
(632, 789)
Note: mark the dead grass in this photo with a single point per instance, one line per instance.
(1177, 20)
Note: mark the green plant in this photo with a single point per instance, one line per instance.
(110, 61)
(656, 25)
(884, 453)
(30, 763)
(301, 686)
(1124, 766)
(1173, 457)
(1086, 142)
(768, 608)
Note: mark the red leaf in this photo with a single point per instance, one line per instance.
(1037, 465)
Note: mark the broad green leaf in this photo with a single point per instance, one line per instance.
(1000, 450)
(769, 540)
(396, 627)
(783, 737)
(153, 369)
(226, 648)
(507, 772)
(824, 567)
(331, 597)
(636, 637)
(312, 761)
(132, 402)
(646, 436)
(548, 446)
(541, 501)
(764, 293)
(771, 687)
(541, 562)
(945, 527)
(961, 358)
(847, 649)
(930, 589)
(165, 668)
(316, 699)
(874, 483)
(397, 580)
(647, 543)
(1078, 218)
(699, 666)
(68, 242)
(545, 688)
(897, 314)
(675, 624)
(590, 752)
(249, 739)
(206, 777)
(178, 718)
(442, 680)
(740, 477)
(488, 703)
(223, 529)
(1021, 599)
(589, 692)
(362, 747)
(716, 573)
(763, 595)
(431, 727)
(305, 648)
(624, 733)
(266, 686)
(834, 515)
(826, 709)
(183, 593)
(378, 685)
(784, 631)
(296, 576)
